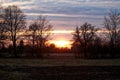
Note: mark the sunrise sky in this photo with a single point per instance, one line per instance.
(64, 15)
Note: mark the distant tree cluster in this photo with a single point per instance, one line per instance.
(88, 43)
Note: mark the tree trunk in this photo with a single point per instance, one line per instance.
(14, 48)
(85, 48)
(33, 46)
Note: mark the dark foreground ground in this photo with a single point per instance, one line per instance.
(60, 73)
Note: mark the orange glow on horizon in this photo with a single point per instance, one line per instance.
(62, 31)
(61, 43)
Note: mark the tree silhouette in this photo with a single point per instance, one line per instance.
(33, 28)
(84, 35)
(112, 25)
(40, 32)
(14, 19)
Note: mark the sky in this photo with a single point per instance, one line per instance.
(66, 14)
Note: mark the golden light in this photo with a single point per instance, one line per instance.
(62, 31)
(62, 43)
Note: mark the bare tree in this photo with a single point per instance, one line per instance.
(33, 28)
(112, 25)
(40, 30)
(14, 19)
(84, 35)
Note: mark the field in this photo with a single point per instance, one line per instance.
(59, 69)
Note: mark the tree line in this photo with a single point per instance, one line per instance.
(87, 42)
(91, 42)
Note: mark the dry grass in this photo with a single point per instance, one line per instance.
(38, 69)
(59, 62)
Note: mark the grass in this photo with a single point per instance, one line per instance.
(25, 69)
(59, 62)
(8, 75)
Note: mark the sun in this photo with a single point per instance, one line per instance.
(61, 43)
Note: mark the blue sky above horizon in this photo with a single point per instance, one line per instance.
(66, 14)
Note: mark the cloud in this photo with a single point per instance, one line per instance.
(15, 2)
(64, 15)
(67, 10)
